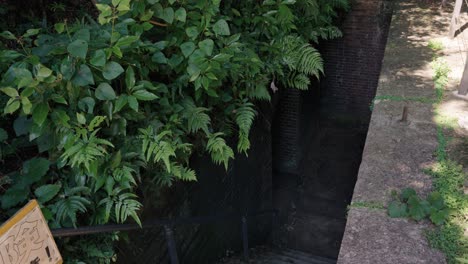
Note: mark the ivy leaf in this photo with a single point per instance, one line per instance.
(99, 58)
(144, 95)
(105, 92)
(207, 46)
(112, 70)
(167, 15)
(40, 113)
(181, 14)
(159, 57)
(34, 169)
(192, 32)
(83, 76)
(45, 193)
(187, 48)
(397, 209)
(78, 48)
(221, 28)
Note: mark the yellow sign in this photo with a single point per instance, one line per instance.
(26, 238)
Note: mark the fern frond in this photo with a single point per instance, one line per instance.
(183, 173)
(311, 62)
(244, 143)
(259, 92)
(85, 150)
(124, 205)
(69, 207)
(124, 176)
(219, 150)
(298, 81)
(196, 117)
(157, 149)
(245, 115)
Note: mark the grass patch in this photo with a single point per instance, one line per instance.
(448, 179)
(435, 45)
(401, 99)
(447, 122)
(368, 205)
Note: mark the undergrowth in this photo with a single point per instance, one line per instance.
(448, 181)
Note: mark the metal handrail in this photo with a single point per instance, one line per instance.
(168, 225)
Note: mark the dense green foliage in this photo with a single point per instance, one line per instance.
(93, 108)
(409, 204)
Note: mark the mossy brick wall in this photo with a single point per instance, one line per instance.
(353, 63)
(352, 69)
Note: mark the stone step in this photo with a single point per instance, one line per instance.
(291, 257)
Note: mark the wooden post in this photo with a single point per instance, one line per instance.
(463, 87)
(455, 16)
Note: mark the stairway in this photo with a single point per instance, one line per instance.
(283, 256)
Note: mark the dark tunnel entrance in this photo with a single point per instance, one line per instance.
(319, 135)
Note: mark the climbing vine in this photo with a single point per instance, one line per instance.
(93, 107)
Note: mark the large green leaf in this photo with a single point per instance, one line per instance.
(397, 209)
(207, 46)
(45, 193)
(13, 196)
(187, 48)
(11, 106)
(167, 15)
(82, 34)
(144, 95)
(83, 76)
(417, 208)
(181, 14)
(98, 59)
(78, 48)
(105, 92)
(130, 78)
(221, 28)
(34, 169)
(112, 70)
(40, 113)
(126, 40)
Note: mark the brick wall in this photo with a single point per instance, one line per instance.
(352, 63)
(287, 131)
(352, 68)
